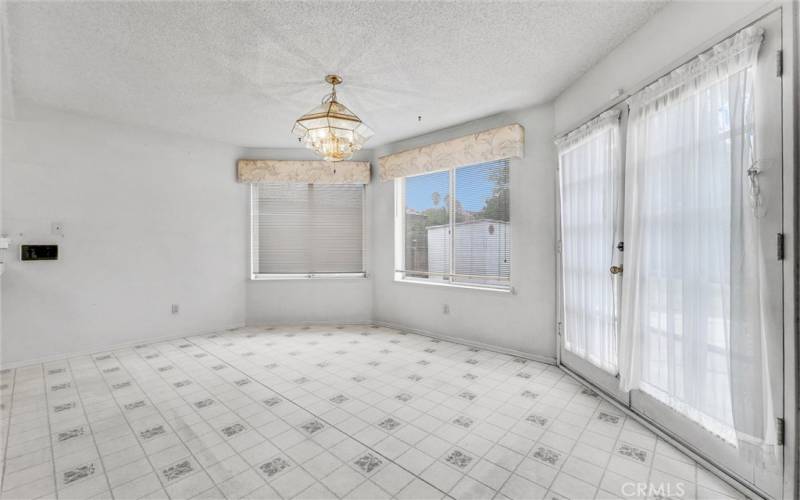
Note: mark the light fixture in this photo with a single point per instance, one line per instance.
(331, 130)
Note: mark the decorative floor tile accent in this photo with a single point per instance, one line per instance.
(338, 399)
(272, 401)
(463, 421)
(368, 462)
(72, 433)
(312, 426)
(547, 455)
(134, 405)
(78, 473)
(630, 451)
(152, 432)
(204, 403)
(537, 419)
(232, 430)
(404, 397)
(458, 458)
(64, 407)
(607, 418)
(389, 424)
(177, 471)
(274, 466)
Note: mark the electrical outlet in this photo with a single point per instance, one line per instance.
(446, 309)
(175, 308)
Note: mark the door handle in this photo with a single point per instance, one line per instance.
(615, 270)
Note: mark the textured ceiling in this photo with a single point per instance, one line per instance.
(241, 72)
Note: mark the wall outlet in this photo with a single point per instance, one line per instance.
(446, 309)
(175, 308)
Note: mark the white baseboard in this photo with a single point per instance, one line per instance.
(458, 340)
(113, 347)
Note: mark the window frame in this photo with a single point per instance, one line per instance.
(400, 274)
(255, 276)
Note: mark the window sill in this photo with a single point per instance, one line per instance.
(509, 290)
(312, 276)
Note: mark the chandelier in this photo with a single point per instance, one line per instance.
(331, 130)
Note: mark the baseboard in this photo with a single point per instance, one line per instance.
(357, 322)
(458, 340)
(113, 347)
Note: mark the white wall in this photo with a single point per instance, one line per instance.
(347, 300)
(673, 35)
(524, 321)
(150, 218)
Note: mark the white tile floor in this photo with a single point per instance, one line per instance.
(323, 412)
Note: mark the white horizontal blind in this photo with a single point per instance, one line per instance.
(464, 238)
(307, 229)
(482, 228)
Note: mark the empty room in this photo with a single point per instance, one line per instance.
(414, 250)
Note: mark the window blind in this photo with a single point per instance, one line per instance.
(307, 229)
(465, 238)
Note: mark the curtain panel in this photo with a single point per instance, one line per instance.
(693, 327)
(490, 145)
(589, 182)
(308, 172)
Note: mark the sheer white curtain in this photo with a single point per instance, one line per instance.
(589, 170)
(693, 327)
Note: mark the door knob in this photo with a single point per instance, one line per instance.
(615, 269)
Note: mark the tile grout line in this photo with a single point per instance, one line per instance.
(147, 396)
(88, 424)
(8, 425)
(320, 418)
(50, 432)
(455, 445)
(205, 420)
(122, 412)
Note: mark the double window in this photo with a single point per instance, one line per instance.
(454, 226)
(307, 230)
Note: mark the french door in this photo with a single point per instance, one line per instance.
(665, 397)
(591, 182)
(692, 280)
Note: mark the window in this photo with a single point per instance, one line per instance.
(307, 230)
(455, 226)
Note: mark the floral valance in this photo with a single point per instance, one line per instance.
(311, 171)
(489, 145)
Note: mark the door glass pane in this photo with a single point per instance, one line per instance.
(589, 198)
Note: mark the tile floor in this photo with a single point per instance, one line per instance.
(323, 412)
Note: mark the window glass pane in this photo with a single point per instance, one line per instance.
(427, 232)
(308, 228)
(482, 224)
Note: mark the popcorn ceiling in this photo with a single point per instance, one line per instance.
(241, 72)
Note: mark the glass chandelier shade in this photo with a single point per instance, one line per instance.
(331, 130)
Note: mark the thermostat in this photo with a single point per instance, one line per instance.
(38, 252)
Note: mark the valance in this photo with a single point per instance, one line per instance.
(489, 145)
(311, 171)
